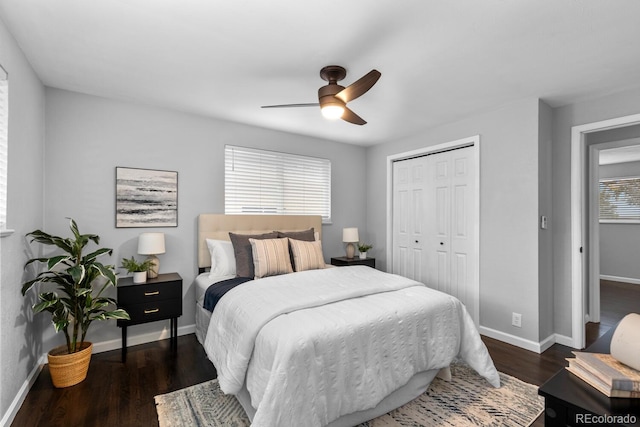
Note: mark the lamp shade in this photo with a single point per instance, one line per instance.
(151, 243)
(350, 235)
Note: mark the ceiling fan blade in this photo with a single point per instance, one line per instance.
(359, 87)
(351, 117)
(313, 104)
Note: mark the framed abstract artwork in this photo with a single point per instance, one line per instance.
(146, 198)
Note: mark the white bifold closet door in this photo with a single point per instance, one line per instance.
(433, 221)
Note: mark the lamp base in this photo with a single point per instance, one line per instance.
(351, 250)
(152, 273)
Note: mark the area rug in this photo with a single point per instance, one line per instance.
(466, 400)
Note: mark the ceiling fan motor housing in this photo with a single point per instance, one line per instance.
(333, 73)
(326, 95)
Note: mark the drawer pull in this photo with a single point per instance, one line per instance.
(153, 310)
(148, 294)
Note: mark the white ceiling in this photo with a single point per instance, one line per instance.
(440, 60)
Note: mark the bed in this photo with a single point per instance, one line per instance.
(325, 346)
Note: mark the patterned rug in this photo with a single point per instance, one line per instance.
(466, 400)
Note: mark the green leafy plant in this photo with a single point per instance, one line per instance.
(364, 247)
(80, 283)
(133, 266)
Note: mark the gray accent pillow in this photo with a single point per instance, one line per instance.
(242, 251)
(305, 235)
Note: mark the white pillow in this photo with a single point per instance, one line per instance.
(223, 259)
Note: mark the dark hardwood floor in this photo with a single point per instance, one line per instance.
(121, 394)
(616, 300)
(116, 393)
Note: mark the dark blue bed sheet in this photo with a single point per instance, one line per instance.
(218, 289)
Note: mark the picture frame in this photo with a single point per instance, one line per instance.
(146, 198)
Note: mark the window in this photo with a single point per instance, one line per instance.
(268, 182)
(4, 149)
(620, 200)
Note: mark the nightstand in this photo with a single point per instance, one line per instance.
(568, 399)
(155, 299)
(344, 261)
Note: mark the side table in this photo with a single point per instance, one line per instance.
(569, 401)
(344, 261)
(156, 299)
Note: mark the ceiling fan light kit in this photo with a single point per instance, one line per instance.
(333, 98)
(332, 112)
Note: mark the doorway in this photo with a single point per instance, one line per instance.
(585, 269)
(614, 274)
(433, 218)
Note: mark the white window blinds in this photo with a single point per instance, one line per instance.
(269, 182)
(620, 200)
(4, 149)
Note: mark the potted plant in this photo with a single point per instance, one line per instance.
(139, 269)
(363, 248)
(78, 299)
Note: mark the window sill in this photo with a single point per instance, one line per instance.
(5, 233)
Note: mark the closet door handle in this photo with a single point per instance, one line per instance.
(416, 241)
(442, 243)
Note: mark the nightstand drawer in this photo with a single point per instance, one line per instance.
(149, 292)
(153, 310)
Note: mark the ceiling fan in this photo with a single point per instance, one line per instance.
(333, 98)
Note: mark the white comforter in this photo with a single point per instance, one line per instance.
(315, 345)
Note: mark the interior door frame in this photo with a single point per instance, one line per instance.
(579, 220)
(593, 180)
(472, 141)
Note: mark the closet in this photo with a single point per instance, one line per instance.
(434, 219)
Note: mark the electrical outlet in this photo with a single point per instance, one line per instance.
(516, 320)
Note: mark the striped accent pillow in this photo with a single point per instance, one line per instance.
(270, 257)
(307, 255)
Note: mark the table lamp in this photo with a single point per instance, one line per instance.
(151, 244)
(350, 236)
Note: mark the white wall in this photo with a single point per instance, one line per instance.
(545, 248)
(21, 343)
(509, 188)
(87, 137)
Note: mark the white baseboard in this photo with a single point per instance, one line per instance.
(547, 342)
(141, 339)
(564, 340)
(99, 347)
(536, 347)
(511, 339)
(13, 409)
(620, 279)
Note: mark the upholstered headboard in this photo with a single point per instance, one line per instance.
(218, 226)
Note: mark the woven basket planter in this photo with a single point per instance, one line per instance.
(69, 369)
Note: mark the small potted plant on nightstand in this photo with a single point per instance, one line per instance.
(363, 248)
(139, 269)
(78, 299)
